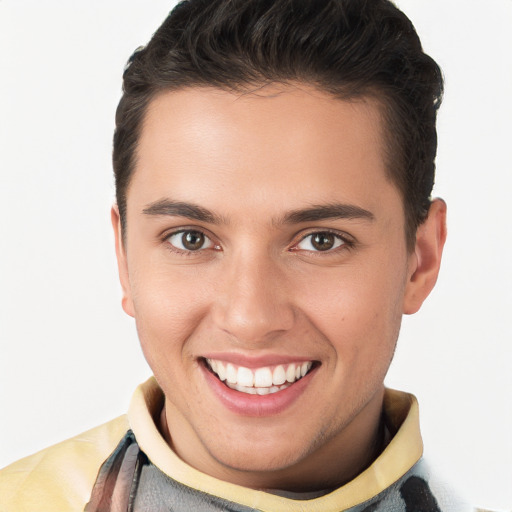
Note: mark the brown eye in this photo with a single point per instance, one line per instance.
(321, 241)
(190, 240)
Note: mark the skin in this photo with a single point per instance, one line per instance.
(260, 288)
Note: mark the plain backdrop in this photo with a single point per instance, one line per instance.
(69, 357)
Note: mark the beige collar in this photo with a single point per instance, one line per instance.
(402, 452)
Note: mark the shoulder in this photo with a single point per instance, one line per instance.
(426, 481)
(60, 477)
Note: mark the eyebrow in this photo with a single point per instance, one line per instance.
(182, 209)
(311, 214)
(327, 211)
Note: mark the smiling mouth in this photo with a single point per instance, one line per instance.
(259, 381)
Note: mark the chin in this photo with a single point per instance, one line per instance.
(253, 458)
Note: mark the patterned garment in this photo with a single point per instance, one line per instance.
(128, 481)
(126, 465)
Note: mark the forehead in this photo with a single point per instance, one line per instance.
(272, 144)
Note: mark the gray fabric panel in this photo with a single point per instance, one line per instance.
(159, 493)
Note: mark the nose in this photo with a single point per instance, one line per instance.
(253, 304)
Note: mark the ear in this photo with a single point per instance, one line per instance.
(425, 261)
(122, 264)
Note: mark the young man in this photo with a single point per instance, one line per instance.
(274, 162)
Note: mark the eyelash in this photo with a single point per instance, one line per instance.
(347, 242)
(187, 252)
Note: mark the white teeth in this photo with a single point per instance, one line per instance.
(261, 381)
(304, 369)
(257, 391)
(245, 377)
(278, 375)
(231, 373)
(243, 389)
(263, 378)
(220, 370)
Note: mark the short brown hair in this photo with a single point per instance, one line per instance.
(348, 48)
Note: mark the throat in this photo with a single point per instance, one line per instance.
(311, 495)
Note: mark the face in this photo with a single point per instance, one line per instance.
(265, 263)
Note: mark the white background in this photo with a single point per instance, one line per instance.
(69, 357)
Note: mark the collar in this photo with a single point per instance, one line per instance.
(401, 453)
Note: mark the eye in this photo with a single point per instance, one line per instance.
(320, 241)
(190, 240)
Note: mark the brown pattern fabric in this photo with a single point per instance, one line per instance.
(116, 486)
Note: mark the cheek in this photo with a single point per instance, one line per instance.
(168, 308)
(358, 310)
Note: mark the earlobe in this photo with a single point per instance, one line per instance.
(122, 263)
(426, 260)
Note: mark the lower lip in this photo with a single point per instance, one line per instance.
(256, 405)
